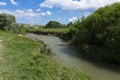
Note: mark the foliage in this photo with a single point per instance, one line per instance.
(56, 30)
(79, 31)
(50, 30)
(100, 30)
(53, 24)
(69, 24)
(6, 20)
(16, 28)
(8, 23)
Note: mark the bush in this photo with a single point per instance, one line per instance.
(6, 20)
(100, 30)
(16, 28)
(79, 32)
(69, 24)
(8, 23)
(54, 24)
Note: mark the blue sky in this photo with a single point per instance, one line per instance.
(42, 11)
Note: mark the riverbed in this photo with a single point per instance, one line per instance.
(67, 56)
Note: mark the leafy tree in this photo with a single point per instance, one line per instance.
(8, 23)
(69, 24)
(100, 22)
(53, 24)
(79, 31)
(6, 20)
(100, 30)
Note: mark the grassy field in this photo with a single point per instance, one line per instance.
(20, 59)
(49, 30)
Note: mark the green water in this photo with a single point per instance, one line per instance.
(69, 57)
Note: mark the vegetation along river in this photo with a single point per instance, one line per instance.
(67, 56)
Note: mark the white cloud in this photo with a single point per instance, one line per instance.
(38, 9)
(48, 13)
(27, 14)
(30, 10)
(5, 11)
(20, 11)
(43, 14)
(3, 3)
(86, 13)
(13, 2)
(73, 19)
(76, 4)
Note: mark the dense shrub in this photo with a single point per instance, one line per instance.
(6, 20)
(53, 24)
(8, 23)
(79, 31)
(100, 30)
(16, 28)
(69, 24)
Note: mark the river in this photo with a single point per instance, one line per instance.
(67, 56)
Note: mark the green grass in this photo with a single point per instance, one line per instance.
(20, 59)
(55, 30)
(59, 30)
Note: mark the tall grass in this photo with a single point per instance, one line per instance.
(51, 30)
(23, 60)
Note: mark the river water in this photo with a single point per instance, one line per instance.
(67, 56)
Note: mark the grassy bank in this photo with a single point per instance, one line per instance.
(63, 33)
(20, 59)
(51, 30)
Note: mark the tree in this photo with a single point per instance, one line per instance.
(69, 24)
(53, 24)
(98, 35)
(8, 23)
(100, 22)
(6, 20)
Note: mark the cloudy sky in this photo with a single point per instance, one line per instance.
(41, 11)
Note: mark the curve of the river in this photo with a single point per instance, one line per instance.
(69, 57)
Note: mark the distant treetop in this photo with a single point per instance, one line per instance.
(53, 24)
